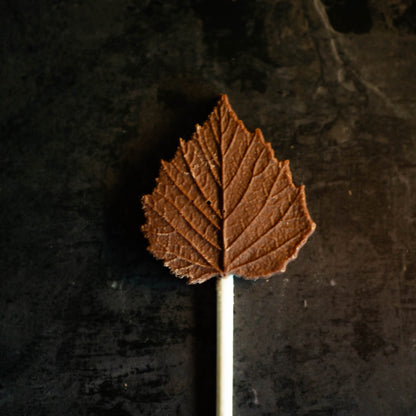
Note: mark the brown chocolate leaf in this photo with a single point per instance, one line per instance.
(225, 205)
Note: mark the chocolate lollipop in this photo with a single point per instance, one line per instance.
(224, 206)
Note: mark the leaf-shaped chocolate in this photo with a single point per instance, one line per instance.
(225, 205)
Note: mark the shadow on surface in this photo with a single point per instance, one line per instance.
(174, 115)
(204, 297)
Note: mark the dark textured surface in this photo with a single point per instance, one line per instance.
(93, 94)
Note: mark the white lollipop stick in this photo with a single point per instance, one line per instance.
(225, 329)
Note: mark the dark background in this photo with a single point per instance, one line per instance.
(93, 94)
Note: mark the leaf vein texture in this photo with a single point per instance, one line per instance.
(208, 159)
(191, 201)
(194, 177)
(191, 243)
(264, 255)
(240, 164)
(226, 205)
(192, 226)
(259, 214)
(264, 234)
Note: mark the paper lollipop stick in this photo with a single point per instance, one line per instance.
(225, 338)
(224, 205)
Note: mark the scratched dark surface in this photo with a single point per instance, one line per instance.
(93, 94)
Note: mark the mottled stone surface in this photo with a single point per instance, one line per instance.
(93, 94)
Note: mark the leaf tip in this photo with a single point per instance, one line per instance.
(224, 99)
(182, 145)
(163, 164)
(145, 200)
